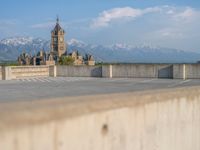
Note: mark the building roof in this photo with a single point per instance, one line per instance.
(57, 27)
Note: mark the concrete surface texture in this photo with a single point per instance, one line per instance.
(192, 71)
(6, 73)
(151, 120)
(106, 71)
(169, 71)
(0, 73)
(52, 87)
(53, 71)
(29, 71)
(179, 71)
(142, 71)
(79, 71)
(188, 71)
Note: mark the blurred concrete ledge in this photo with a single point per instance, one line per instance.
(167, 119)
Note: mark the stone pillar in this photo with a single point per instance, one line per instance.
(184, 72)
(34, 61)
(53, 71)
(6, 73)
(110, 71)
(107, 71)
(180, 71)
(1, 73)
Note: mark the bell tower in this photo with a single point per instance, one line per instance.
(58, 46)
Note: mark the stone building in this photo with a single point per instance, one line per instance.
(90, 60)
(24, 59)
(58, 47)
(58, 50)
(78, 59)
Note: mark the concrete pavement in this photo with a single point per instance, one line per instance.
(49, 87)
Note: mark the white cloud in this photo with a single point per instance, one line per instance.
(171, 33)
(172, 26)
(106, 17)
(170, 12)
(183, 22)
(188, 14)
(184, 14)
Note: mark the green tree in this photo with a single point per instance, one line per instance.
(66, 60)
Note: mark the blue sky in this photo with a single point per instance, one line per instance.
(165, 23)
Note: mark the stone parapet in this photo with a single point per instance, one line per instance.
(153, 120)
(0, 73)
(138, 71)
(168, 71)
(53, 71)
(6, 73)
(14, 72)
(79, 71)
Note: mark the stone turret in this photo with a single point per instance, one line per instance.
(58, 46)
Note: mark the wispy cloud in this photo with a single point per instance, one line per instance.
(172, 33)
(173, 26)
(181, 20)
(107, 16)
(188, 14)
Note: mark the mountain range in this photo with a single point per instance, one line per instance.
(10, 48)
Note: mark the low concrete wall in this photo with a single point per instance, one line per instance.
(192, 71)
(1, 73)
(186, 71)
(157, 120)
(176, 71)
(138, 71)
(52, 71)
(79, 71)
(29, 71)
(6, 73)
(107, 71)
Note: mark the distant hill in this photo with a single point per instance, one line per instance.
(10, 48)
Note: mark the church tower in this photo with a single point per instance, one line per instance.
(58, 46)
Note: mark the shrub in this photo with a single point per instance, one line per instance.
(66, 60)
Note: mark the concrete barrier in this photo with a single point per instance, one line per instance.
(179, 71)
(53, 71)
(157, 120)
(169, 71)
(107, 71)
(29, 71)
(138, 71)
(1, 73)
(192, 71)
(186, 71)
(79, 71)
(6, 73)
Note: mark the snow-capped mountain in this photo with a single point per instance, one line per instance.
(75, 42)
(17, 41)
(10, 49)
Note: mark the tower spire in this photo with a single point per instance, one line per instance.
(57, 19)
